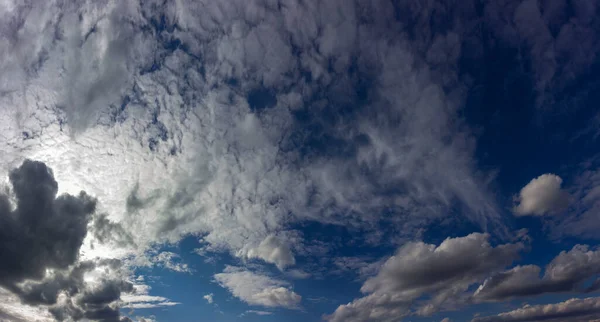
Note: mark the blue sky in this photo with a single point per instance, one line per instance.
(288, 160)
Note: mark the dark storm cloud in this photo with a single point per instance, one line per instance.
(46, 232)
(573, 310)
(567, 272)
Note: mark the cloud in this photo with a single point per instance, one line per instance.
(40, 218)
(542, 195)
(257, 289)
(576, 310)
(208, 298)
(567, 272)
(169, 260)
(272, 250)
(262, 313)
(199, 136)
(582, 219)
(53, 277)
(140, 299)
(443, 272)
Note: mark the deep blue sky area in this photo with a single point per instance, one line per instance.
(300, 160)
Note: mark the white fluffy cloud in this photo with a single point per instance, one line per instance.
(543, 195)
(258, 289)
(208, 298)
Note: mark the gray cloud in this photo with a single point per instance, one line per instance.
(573, 310)
(60, 225)
(542, 195)
(444, 272)
(40, 218)
(567, 272)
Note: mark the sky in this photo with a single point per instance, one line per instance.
(300, 160)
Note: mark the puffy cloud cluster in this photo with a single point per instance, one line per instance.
(442, 274)
(567, 272)
(40, 243)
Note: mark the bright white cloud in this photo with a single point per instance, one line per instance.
(208, 298)
(258, 289)
(542, 195)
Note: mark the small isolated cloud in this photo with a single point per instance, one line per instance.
(444, 272)
(257, 289)
(208, 298)
(262, 313)
(577, 310)
(542, 195)
(446, 320)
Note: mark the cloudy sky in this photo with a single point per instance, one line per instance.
(300, 160)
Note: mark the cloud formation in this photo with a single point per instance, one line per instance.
(443, 272)
(543, 195)
(573, 310)
(52, 275)
(258, 289)
(567, 272)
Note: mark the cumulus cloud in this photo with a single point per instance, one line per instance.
(542, 195)
(40, 218)
(444, 272)
(567, 272)
(53, 277)
(258, 289)
(272, 250)
(576, 310)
